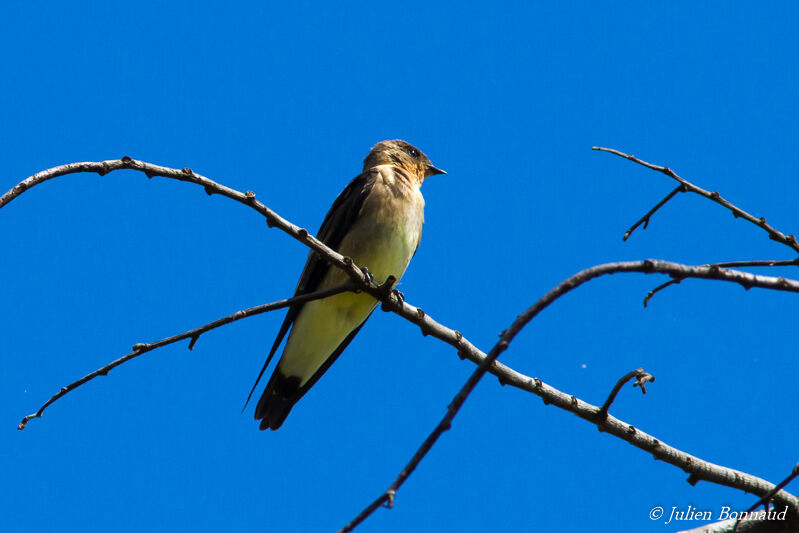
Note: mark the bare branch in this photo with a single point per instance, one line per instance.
(645, 219)
(193, 334)
(640, 381)
(774, 234)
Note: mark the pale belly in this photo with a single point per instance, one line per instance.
(322, 325)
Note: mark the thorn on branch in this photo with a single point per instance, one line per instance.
(193, 341)
(693, 479)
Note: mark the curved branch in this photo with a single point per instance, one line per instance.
(641, 379)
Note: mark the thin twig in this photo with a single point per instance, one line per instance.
(774, 234)
(193, 334)
(641, 379)
(659, 288)
(645, 219)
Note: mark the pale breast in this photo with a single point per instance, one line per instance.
(389, 227)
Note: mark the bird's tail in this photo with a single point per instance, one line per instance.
(277, 400)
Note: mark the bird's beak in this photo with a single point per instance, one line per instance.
(432, 171)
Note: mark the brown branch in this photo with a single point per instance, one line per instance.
(774, 234)
(640, 381)
(193, 334)
(645, 219)
(696, 467)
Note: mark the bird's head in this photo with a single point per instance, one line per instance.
(401, 154)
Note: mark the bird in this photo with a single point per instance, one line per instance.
(377, 222)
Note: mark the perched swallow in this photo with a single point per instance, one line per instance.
(377, 221)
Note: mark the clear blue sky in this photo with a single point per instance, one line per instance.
(286, 101)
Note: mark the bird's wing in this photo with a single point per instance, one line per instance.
(337, 223)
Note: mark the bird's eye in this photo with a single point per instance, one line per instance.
(414, 152)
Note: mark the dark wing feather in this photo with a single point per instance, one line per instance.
(337, 223)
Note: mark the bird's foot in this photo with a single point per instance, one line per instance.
(400, 296)
(368, 275)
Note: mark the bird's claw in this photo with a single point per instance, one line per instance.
(368, 275)
(400, 296)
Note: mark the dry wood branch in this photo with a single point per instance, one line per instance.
(142, 348)
(774, 234)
